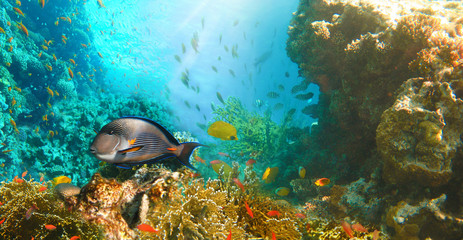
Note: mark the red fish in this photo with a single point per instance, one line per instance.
(250, 162)
(200, 159)
(359, 228)
(376, 234)
(300, 215)
(229, 236)
(41, 178)
(50, 227)
(74, 238)
(224, 154)
(42, 189)
(273, 236)
(147, 228)
(322, 182)
(248, 209)
(214, 162)
(273, 213)
(70, 72)
(30, 211)
(19, 180)
(347, 229)
(3, 220)
(238, 182)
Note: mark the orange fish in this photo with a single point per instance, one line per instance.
(214, 162)
(23, 28)
(250, 162)
(45, 117)
(40, 54)
(322, 182)
(44, 47)
(2, 31)
(41, 178)
(13, 102)
(101, 55)
(50, 92)
(2, 221)
(238, 182)
(74, 238)
(197, 158)
(48, 67)
(10, 49)
(7, 151)
(69, 19)
(18, 3)
(54, 57)
(376, 234)
(50, 227)
(41, 189)
(70, 72)
(18, 11)
(17, 89)
(300, 215)
(42, 3)
(147, 228)
(19, 180)
(8, 64)
(13, 123)
(224, 154)
(24, 174)
(56, 93)
(10, 39)
(72, 61)
(248, 209)
(83, 45)
(30, 211)
(273, 236)
(273, 213)
(359, 228)
(229, 236)
(347, 229)
(57, 22)
(100, 3)
(9, 89)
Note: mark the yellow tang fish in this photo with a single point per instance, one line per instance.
(302, 172)
(270, 174)
(282, 191)
(61, 179)
(222, 130)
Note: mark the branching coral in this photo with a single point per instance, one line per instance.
(18, 197)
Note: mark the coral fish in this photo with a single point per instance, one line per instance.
(70, 72)
(9, 89)
(61, 179)
(45, 117)
(2, 221)
(282, 191)
(197, 158)
(302, 172)
(17, 10)
(18, 3)
(111, 143)
(42, 3)
(24, 174)
(347, 229)
(359, 228)
(74, 238)
(250, 162)
(41, 189)
(10, 49)
(41, 177)
(19, 180)
(13, 102)
(23, 28)
(147, 228)
(83, 45)
(44, 47)
(2, 31)
(322, 182)
(238, 182)
(72, 61)
(222, 130)
(40, 54)
(273, 213)
(10, 39)
(376, 234)
(248, 209)
(215, 162)
(50, 92)
(13, 123)
(101, 55)
(100, 3)
(229, 235)
(224, 154)
(273, 236)
(300, 215)
(50, 227)
(7, 151)
(49, 67)
(54, 57)
(31, 211)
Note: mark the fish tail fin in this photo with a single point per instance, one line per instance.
(184, 156)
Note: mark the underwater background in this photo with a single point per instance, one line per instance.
(322, 119)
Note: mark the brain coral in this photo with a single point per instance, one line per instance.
(419, 135)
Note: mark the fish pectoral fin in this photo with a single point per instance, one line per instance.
(131, 149)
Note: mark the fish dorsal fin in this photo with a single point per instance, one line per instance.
(169, 136)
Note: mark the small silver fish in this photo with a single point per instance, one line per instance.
(131, 141)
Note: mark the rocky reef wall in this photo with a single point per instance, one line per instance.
(390, 76)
